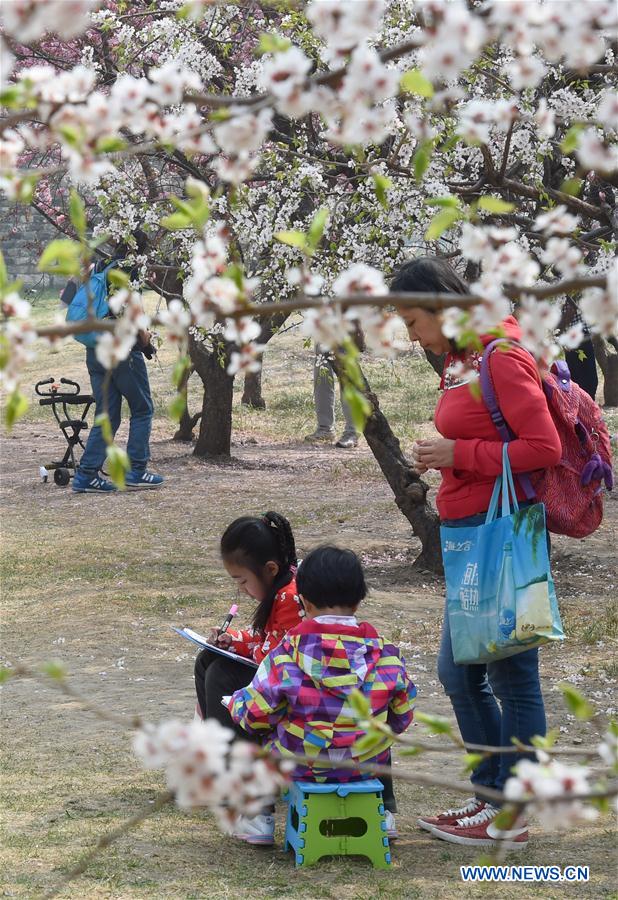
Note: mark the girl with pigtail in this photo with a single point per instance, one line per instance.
(259, 554)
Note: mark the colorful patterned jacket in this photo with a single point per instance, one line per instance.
(299, 699)
(285, 614)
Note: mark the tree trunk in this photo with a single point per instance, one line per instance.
(187, 421)
(409, 490)
(215, 436)
(252, 394)
(606, 353)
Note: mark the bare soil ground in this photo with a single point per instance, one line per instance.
(96, 582)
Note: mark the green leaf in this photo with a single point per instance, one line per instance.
(177, 407)
(545, 742)
(316, 229)
(495, 205)
(360, 704)
(293, 239)
(4, 275)
(414, 82)
(471, 761)
(62, 257)
(180, 367)
(176, 222)
(366, 743)
(505, 819)
(5, 674)
(381, 184)
(422, 159)
(110, 144)
(444, 202)
(411, 751)
(72, 136)
(16, 406)
(118, 279)
(572, 186)
(105, 425)
(272, 43)
(360, 407)
(54, 669)
(77, 213)
(435, 724)
(441, 222)
(117, 464)
(570, 141)
(576, 702)
(236, 274)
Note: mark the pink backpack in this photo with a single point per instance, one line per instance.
(572, 491)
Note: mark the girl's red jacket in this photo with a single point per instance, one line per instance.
(462, 416)
(286, 613)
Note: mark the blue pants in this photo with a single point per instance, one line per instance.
(129, 380)
(474, 692)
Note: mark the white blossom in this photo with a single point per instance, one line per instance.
(607, 113)
(545, 118)
(525, 72)
(360, 279)
(549, 780)
(562, 255)
(285, 71)
(599, 306)
(594, 154)
(556, 221)
(114, 347)
(243, 132)
(327, 326)
(176, 319)
(14, 305)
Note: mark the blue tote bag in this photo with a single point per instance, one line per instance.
(499, 590)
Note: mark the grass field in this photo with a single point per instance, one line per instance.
(97, 582)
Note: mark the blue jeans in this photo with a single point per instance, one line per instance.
(129, 380)
(474, 692)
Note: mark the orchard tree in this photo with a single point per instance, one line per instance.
(287, 156)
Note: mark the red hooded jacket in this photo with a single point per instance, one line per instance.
(463, 417)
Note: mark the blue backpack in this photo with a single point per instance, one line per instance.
(97, 290)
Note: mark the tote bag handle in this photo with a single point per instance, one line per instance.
(506, 484)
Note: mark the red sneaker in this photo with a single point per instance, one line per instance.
(470, 808)
(481, 831)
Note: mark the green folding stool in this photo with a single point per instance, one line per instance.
(337, 820)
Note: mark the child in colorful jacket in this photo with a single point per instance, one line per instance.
(299, 699)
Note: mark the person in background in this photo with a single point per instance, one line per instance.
(324, 379)
(128, 380)
(581, 361)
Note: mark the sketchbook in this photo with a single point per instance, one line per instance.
(201, 641)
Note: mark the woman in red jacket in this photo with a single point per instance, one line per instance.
(469, 457)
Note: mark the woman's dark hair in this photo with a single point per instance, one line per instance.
(251, 542)
(330, 576)
(427, 275)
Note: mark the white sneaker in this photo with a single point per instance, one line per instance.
(258, 830)
(391, 825)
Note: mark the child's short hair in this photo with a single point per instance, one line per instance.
(330, 576)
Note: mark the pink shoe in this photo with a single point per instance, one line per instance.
(470, 808)
(481, 831)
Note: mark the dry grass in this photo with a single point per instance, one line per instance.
(96, 582)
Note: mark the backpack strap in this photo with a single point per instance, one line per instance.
(490, 400)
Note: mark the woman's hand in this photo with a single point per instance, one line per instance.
(220, 640)
(438, 453)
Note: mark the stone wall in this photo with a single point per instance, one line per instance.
(23, 235)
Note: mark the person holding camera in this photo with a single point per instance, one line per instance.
(129, 379)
